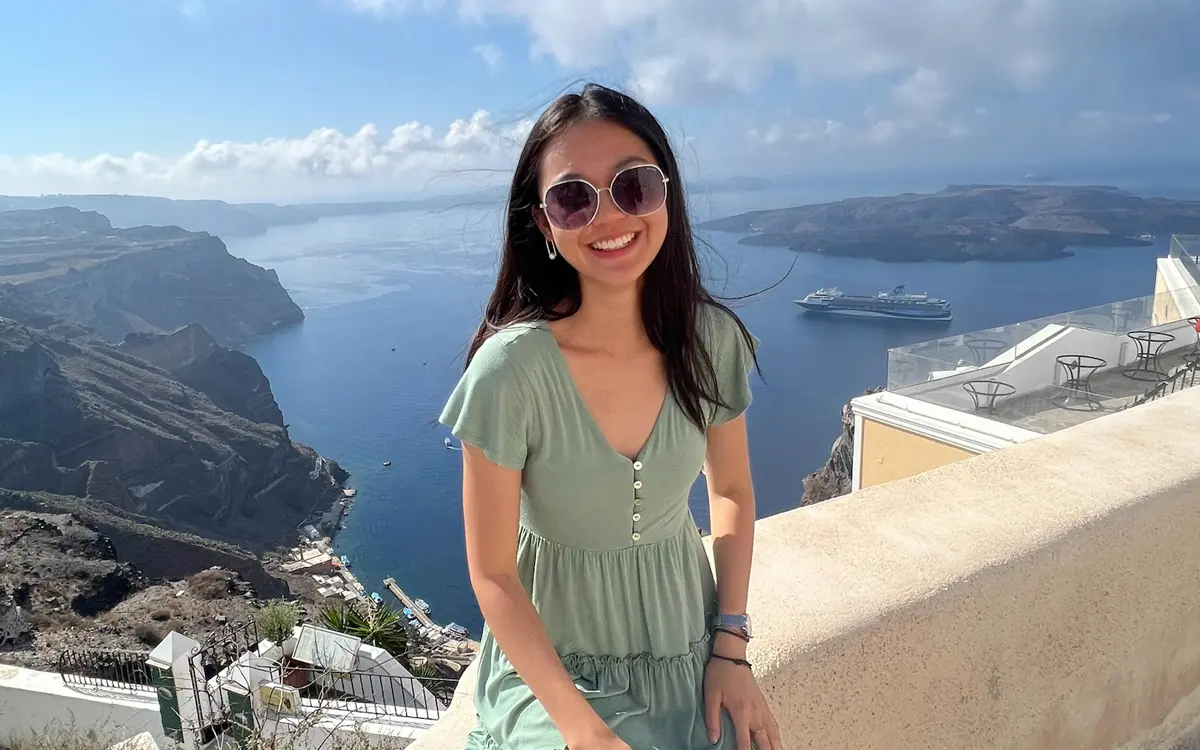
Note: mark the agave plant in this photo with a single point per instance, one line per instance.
(434, 681)
(382, 627)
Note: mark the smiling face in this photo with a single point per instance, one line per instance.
(615, 249)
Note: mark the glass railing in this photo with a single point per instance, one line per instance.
(919, 363)
(1036, 373)
(1186, 247)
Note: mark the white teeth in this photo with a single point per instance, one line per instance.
(616, 243)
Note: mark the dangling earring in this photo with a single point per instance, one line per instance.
(551, 250)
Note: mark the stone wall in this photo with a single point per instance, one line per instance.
(1040, 597)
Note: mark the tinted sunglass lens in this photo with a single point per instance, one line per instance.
(639, 191)
(570, 205)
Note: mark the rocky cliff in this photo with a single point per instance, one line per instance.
(75, 267)
(836, 476)
(233, 380)
(968, 222)
(81, 418)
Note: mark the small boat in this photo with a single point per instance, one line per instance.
(408, 613)
(454, 630)
(349, 492)
(375, 597)
(345, 560)
(387, 463)
(422, 605)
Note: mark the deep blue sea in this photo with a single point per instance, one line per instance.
(391, 301)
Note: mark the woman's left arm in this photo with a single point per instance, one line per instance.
(728, 684)
(731, 513)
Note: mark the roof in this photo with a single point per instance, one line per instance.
(327, 649)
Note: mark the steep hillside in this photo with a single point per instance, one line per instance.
(74, 266)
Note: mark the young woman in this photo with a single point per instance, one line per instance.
(602, 379)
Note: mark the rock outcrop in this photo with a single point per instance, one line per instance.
(968, 222)
(67, 583)
(73, 266)
(81, 418)
(232, 379)
(51, 564)
(836, 476)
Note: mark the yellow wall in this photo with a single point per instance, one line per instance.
(1165, 310)
(889, 453)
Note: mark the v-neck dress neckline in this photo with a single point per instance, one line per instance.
(560, 359)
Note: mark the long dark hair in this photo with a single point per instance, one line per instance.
(531, 287)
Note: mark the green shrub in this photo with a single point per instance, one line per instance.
(277, 621)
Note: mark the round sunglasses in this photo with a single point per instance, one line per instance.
(636, 191)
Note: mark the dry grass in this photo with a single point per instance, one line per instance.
(211, 584)
(66, 738)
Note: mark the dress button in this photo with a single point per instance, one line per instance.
(637, 516)
(637, 485)
(637, 465)
(636, 536)
(637, 501)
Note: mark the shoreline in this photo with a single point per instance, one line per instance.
(315, 557)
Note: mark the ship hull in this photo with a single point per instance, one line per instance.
(931, 316)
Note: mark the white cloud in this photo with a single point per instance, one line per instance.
(677, 50)
(491, 55)
(326, 161)
(924, 92)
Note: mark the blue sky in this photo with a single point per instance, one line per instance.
(306, 99)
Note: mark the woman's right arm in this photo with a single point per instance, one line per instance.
(491, 516)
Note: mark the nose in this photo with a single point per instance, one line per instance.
(607, 209)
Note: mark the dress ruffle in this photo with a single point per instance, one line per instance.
(644, 611)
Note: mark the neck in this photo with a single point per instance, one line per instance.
(610, 319)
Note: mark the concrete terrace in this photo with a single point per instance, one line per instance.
(1056, 407)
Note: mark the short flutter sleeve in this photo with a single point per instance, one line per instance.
(488, 408)
(732, 359)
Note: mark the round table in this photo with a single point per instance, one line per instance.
(1079, 369)
(985, 393)
(1149, 346)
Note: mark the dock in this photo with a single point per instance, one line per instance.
(398, 592)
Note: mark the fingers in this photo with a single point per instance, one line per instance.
(742, 725)
(773, 734)
(712, 715)
(766, 736)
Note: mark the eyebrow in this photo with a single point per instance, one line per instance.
(623, 163)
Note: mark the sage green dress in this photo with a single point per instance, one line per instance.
(607, 550)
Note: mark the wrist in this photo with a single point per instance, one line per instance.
(729, 645)
(736, 624)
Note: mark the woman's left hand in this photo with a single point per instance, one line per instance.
(732, 687)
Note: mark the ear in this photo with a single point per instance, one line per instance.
(543, 224)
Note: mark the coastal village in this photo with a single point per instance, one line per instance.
(449, 646)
